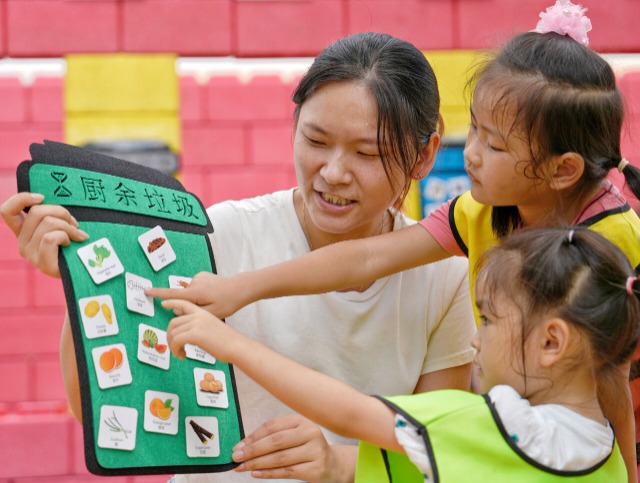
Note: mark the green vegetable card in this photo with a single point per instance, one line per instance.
(144, 411)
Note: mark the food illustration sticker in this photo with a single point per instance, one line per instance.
(176, 281)
(117, 428)
(194, 352)
(211, 388)
(98, 316)
(137, 300)
(152, 346)
(100, 260)
(112, 366)
(161, 412)
(202, 436)
(156, 247)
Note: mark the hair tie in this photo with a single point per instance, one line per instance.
(622, 164)
(565, 18)
(629, 284)
(570, 236)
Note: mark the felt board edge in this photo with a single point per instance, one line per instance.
(22, 176)
(237, 401)
(231, 368)
(162, 470)
(52, 152)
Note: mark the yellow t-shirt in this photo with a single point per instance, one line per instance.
(463, 226)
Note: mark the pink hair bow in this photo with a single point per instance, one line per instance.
(565, 18)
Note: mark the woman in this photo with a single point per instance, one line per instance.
(366, 123)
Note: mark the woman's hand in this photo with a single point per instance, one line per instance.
(41, 231)
(294, 447)
(214, 293)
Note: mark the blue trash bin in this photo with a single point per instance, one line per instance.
(447, 179)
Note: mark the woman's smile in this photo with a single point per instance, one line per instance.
(334, 200)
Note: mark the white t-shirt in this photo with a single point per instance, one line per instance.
(380, 341)
(550, 434)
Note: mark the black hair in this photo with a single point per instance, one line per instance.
(563, 98)
(574, 274)
(403, 84)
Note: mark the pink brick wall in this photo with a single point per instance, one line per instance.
(262, 28)
(236, 137)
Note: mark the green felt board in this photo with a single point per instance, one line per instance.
(152, 449)
(120, 201)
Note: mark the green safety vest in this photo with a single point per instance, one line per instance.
(466, 441)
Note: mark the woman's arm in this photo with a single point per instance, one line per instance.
(458, 377)
(338, 266)
(322, 399)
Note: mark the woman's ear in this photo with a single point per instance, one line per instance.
(554, 341)
(565, 170)
(426, 157)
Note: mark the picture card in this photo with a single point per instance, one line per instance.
(211, 388)
(98, 316)
(112, 366)
(117, 427)
(100, 260)
(157, 248)
(152, 347)
(161, 412)
(203, 439)
(137, 300)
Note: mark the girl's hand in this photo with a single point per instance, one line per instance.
(194, 325)
(40, 231)
(214, 293)
(294, 447)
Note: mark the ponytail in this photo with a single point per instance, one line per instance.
(631, 176)
(613, 388)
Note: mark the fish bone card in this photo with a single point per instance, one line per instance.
(144, 411)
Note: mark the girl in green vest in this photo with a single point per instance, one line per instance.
(559, 311)
(546, 122)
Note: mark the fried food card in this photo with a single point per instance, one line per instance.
(144, 411)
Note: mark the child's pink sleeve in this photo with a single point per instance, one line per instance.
(438, 225)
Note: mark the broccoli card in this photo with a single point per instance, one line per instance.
(144, 411)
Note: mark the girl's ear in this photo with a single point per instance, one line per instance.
(565, 170)
(554, 341)
(426, 158)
